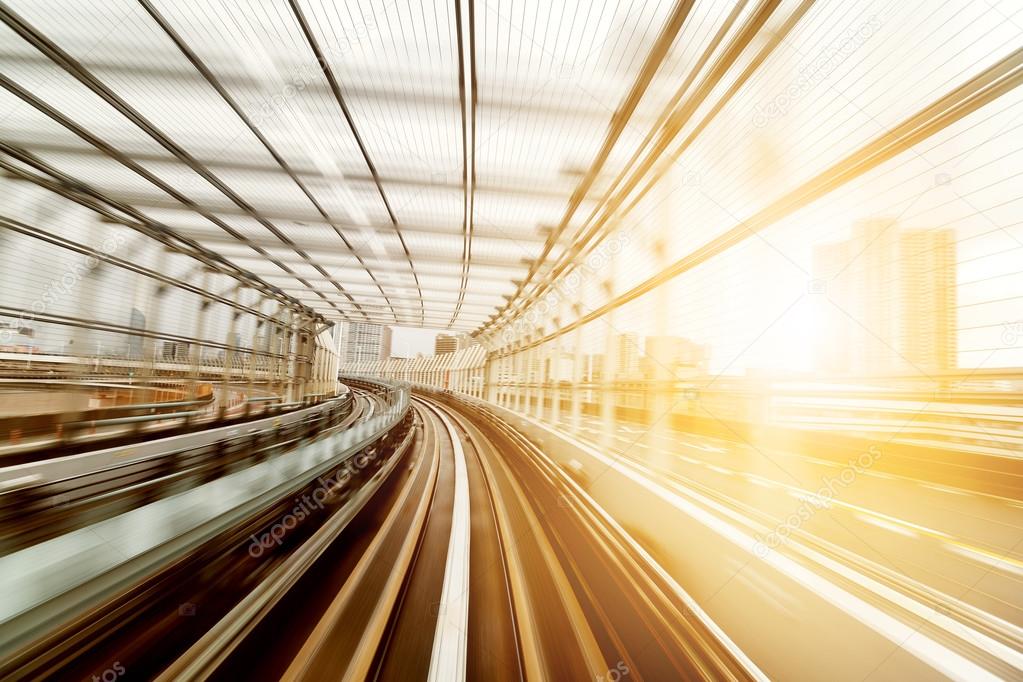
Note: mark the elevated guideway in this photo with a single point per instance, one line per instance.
(541, 340)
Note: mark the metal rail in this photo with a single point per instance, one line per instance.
(59, 628)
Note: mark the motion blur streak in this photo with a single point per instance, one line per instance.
(519, 340)
(902, 634)
(448, 659)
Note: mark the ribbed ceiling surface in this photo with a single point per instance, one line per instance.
(407, 162)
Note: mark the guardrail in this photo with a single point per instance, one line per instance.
(71, 432)
(938, 459)
(55, 605)
(53, 496)
(25, 427)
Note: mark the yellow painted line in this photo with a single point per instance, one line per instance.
(584, 636)
(993, 559)
(362, 659)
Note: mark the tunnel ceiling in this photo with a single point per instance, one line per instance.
(412, 163)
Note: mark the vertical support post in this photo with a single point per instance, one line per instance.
(291, 365)
(608, 399)
(493, 381)
(319, 384)
(554, 373)
(195, 349)
(665, 363)
(540, 370)
(254, 357)
(154, 309)
(301, 357)
(501, 378)
(276, 350)
(509, 372)
(577, 368)
(229, 353)
(518, 386)
(283, 347)
(83, 297)
(527, 388)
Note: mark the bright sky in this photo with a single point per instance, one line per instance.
(407, 341)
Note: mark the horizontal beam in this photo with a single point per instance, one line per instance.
(436, 296)
(409, 306)
(408, 177)
(571, 110)
(521, 250)
(412, 321)
(399, 302)
(386, 276)
(415, 318)
(372, 260)
(527, 237)
(441, 318)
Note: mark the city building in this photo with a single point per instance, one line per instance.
(362, 341)
(559, 367)
(928, 333)
(887, 300)
(449, 343)
(445, 343)
(672, 357)
(627, 365)
(593, 368)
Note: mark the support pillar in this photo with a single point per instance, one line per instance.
(608, 399)
(540, 379)
(554, 375)
(229, 354)
(195, 349)
(577, 369)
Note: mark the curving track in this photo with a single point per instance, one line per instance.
(40, 500)
(480, 560)
(454, 549)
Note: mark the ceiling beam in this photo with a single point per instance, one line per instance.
(339, 97)
(499, 281)
(200, 66)
(340, 260)
(408, 177)
(398, 299)
(415, 316)
(570, 111)
(388, 321)
(518, 251)
(153, 201)
(60, 58)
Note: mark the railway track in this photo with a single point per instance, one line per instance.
(491, 564)
(463, 553)
(149, 607)
(41, 500)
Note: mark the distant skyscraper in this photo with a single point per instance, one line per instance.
(890, 300)
(628, 356)
(928, 289)
(558, 367)
(362, 341)
(593, 368)
(385, 343)
(445, 343)
(667, 357)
